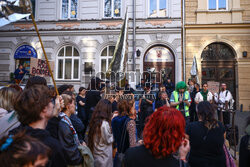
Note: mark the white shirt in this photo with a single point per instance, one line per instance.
(199, 98)
(223, 97)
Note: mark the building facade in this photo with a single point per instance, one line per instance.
(80, 37)
(218, 34)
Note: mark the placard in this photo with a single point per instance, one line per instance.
(88, 67)
(213, 87)
(39, 67)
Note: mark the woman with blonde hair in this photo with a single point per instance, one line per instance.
(66, 132)
(7, 99)
(8, 117)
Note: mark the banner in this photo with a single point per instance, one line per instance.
(213, 87)
(13, 10)
(39, 67)
(194, 70)
(117, 67)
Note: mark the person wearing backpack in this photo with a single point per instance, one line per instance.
(224, 99)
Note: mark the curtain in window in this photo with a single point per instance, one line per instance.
(73, 13)
(117, 8)
(65, 7)
(107, 8)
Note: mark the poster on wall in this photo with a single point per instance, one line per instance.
(88, 67)
(39, 67)
(213, 87)
(25, 52)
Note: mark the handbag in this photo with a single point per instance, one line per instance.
(120, 155)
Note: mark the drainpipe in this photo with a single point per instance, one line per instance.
(134, 43)
(183, 41)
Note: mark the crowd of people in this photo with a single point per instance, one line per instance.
(166, 125)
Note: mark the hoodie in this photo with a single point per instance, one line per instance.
(56, 159)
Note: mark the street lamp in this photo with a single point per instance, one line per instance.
(138, 53)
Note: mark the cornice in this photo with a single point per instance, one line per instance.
(202, 26)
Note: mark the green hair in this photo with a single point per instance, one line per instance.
(181, 85)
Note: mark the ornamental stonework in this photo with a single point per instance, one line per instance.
(111, 23)
(67, 25)
(158, 22)
(25, 26)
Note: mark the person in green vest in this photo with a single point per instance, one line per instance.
(180, 99)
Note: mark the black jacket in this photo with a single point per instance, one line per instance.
(78, 125)
(52, 126)
(92, 98)
(140, 156)
(70, 148)
(57, 157)
(244, 158)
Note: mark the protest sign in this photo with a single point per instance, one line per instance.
(213, 87)
(39, 67)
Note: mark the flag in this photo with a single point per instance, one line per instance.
(118, 64)
(194, 70)
(13, 10)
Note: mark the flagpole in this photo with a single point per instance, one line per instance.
(50, 71)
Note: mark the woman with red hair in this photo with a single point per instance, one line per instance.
(164, 141)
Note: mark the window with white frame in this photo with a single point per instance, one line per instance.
(112, 8)
(68, 63)
(217, 4)
(106, 57)
(158, 8)
(69, 9)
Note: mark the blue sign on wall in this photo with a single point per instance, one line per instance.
(25, 52)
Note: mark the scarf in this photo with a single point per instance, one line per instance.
(204, 94)
(66, 119)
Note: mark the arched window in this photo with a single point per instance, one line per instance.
(106, 57)
(160, 63)
(68, 63)
(217, 51)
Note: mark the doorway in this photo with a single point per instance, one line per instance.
(218, 64)
(159, 64)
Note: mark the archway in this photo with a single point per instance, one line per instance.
(218, 64)
(160, 63)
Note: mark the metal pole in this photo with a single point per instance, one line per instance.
(134, 44)
(50, 71)
(183, 41)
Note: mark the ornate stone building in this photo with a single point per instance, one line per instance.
(80, 35)
(218, 34)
